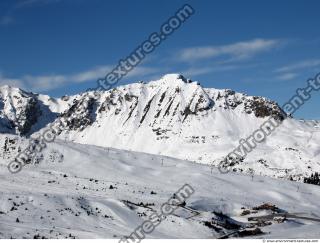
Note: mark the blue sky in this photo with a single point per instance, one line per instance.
(268, 48)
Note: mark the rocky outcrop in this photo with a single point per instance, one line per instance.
(19, 110)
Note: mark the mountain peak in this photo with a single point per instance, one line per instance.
(174, 82)
(174, 79)
(7, 88)
(173, 76)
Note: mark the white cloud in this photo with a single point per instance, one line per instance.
(287, 76)
(50, 82)
(236, 51)
(300, 65)
(92, 74)
(193, 71)
(11, 81)
(141, 71)
(38, 83)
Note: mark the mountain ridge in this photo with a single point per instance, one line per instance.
(177, 117)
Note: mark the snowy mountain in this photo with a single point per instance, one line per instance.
(126, 151)
(175, 117)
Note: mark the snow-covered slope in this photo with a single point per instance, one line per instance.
(97, 192)
(177, 117)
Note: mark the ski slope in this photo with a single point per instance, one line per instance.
(71, 197)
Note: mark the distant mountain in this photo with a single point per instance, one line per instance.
(173, 116)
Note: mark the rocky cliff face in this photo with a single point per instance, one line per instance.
(172, 99)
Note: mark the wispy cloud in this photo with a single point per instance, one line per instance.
(90, 74)
(194, 71)
(287, 76)
(311, 63)
(5, 20)
(8, 18)
(292, 71)
(235, 51)
(51, 82)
